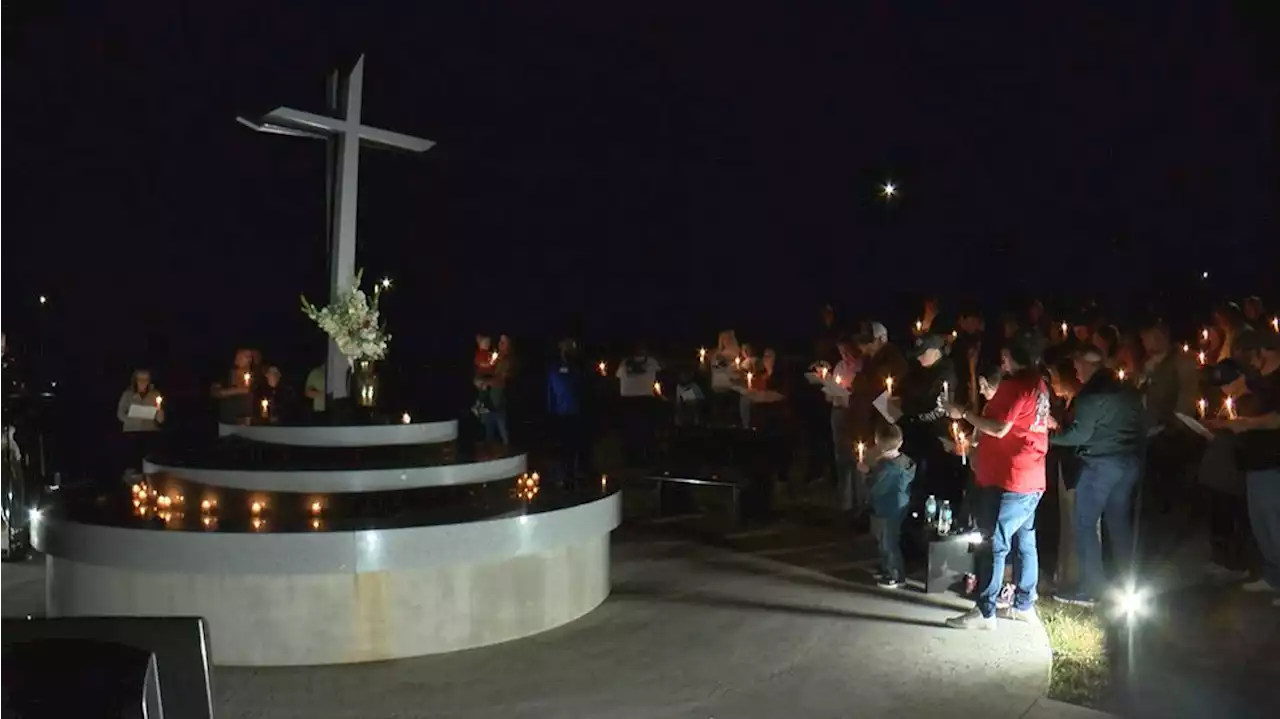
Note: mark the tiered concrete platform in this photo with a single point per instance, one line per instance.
(306, 554)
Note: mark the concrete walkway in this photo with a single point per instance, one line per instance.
(689, 631)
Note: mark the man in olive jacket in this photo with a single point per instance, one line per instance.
(1109, 434)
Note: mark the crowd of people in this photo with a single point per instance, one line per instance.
(989, 421)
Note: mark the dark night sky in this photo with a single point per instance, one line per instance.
(663, 165)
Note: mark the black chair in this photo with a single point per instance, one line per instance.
(180, 646)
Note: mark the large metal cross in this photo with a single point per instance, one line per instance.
(346, 132)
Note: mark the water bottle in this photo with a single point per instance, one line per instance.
(930, 509)
(944, 521)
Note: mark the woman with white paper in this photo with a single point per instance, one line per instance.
(141, 412)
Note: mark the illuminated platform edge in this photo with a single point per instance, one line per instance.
(294, 599)
(345, 436)
(348, 480)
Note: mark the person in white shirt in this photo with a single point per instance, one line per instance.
(638, 386)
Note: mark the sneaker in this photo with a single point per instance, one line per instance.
(1260, 585)
(972, 619)
(888, 583)
(1219, 573)
(1026, 616)
(1079, 599)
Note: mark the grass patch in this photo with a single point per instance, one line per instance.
(1078, 638)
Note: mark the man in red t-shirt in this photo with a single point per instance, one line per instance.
(1013, 439)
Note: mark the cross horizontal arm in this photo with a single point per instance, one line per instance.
(387, 138)
(301, 118)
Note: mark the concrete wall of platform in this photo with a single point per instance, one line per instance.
(339, 618)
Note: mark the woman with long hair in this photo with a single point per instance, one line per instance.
(141, 412)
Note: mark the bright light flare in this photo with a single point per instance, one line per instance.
(888, 190)
(1132, 603)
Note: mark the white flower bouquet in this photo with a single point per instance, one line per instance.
(352, 322)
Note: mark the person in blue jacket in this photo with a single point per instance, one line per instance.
(566, 387)
(890, 478)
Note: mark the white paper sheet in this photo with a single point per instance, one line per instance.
(834, 390)
(812, 378)
(142, 411)
(888, 411)
(1195, 425)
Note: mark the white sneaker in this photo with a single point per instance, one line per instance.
(1219, 573)
(972, 619)
(1260, 585)
(1026, 616)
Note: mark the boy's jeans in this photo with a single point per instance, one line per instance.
(890, 538)
(1264, 516)
(1007, 521)
(1105, 491)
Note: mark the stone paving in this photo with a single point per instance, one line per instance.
(689, 631)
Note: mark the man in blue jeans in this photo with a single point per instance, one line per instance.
(1109, 433)
(1009, 471)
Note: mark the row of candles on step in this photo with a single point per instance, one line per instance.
(170, 507)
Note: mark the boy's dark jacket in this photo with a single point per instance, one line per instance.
(891, 485)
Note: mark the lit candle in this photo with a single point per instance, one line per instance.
(247, 378)
(749, 377)
(604, 481)
(493, 357)
(737, 363)
(955, 431)
(1200, 357)
(1064, 328)
(1202, 407)
(946, 390)
(1120, 374)
(919, 326)
(1186, 347)
(159, 401)
(702, 354)
(1275, 324)
(1229, 405)
(604, 368)
(205, 505)
(206, 521)
(316, 507)
(862, 452)
(954, 334)
(888, 385)
(257, 523)
(962, 442)
(822, 372)
(256, 507)
(657, 388)
(838, 380)
(1204, 335)
(315, 523)
(266, 408)
(405, 418)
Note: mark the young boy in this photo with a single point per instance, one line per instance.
(890, 481)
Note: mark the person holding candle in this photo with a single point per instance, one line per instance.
(924, 419)
(1170, 383)
(235, 398)
(890, 474)
(1258, 455)
(1109, 435)
(639, 407)
(139, 431)
(1012, 434)
(851, 488)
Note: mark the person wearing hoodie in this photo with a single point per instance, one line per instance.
(890, 480)
(927, 390)
(1109, 434)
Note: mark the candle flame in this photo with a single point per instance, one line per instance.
(159, 401)
(405, 418)
(657, 388)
